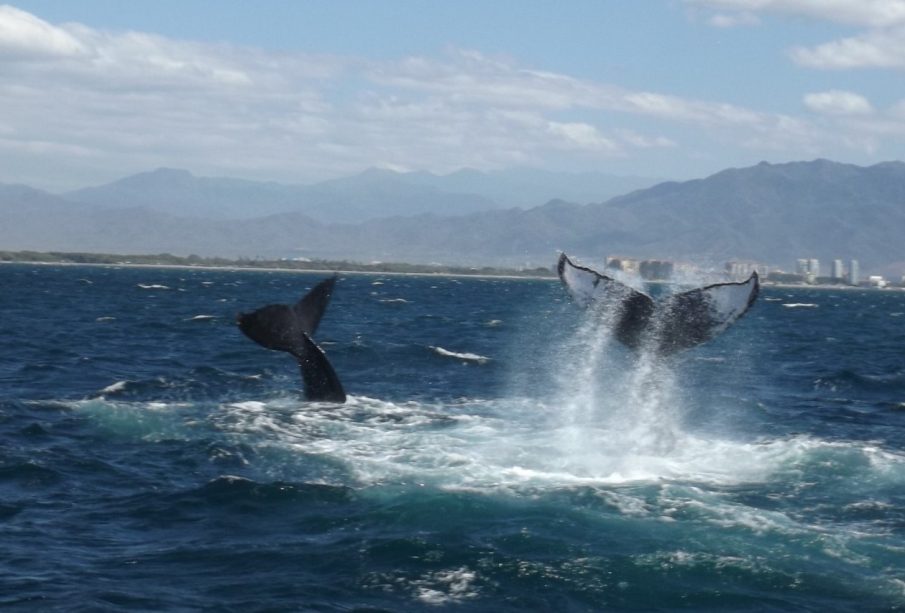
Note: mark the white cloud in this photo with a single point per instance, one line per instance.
(865, 13)
(874, 49)
(732, 20)
(645, 142)
(583, 136)
(24, 36)
(836, 102)
(880, 45)
(125, 102)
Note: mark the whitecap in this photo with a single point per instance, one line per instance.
(394, 301)
(152, 286)
(799, 305)
(202, 318)
(105, 318)
(468, 357)
(115, 387)
(446, 586)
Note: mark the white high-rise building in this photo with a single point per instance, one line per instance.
(838, 270)
(739, 271)
(814, 267)
(854, 273)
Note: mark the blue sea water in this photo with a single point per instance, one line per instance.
(499, 452)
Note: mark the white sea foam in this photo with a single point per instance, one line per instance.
(203, 318)
(152, 286)
(616, 420)
(513, 444)
(446, 586)
(115, 387)
(800, 305)
(468, 357)
(514, 447)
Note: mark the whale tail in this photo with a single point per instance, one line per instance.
(289, 328)
(681, 321)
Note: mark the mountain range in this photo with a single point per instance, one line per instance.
(770, 213)
(372, 194)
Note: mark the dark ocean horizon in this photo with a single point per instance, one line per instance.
(498, 452)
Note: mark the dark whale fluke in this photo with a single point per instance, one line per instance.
(289, 328)
(679, 322)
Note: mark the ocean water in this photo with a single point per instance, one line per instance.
(499, 451)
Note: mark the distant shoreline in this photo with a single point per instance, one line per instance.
(373, 270)
(328, 267)
(847, 288)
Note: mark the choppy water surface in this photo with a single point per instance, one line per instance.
(499, 451)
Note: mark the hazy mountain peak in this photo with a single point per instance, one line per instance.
(159, 175)
(772, 213)
(376, 171)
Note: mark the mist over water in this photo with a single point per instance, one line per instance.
(156, 459)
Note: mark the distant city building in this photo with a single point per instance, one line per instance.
(738, 271)
(808, 268)
(624, 264)
(814, 267)
(656, 270)
(684, 269)
(838, 270)
(854, 273)
(876, 281)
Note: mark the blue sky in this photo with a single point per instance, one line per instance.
(299, 91)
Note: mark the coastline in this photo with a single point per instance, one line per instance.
(477, 275)
(823, 287)
(454, 273)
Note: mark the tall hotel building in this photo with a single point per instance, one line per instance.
(838, 270)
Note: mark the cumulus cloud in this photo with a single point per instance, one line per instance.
(645, 142)
(732, 20)
(836, 102)
(582, 135)
(128, 101)
(874, 49)
(880, 45)
(869, 13)
(24, 37)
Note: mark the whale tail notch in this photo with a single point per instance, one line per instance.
(679, 322)
(289, 328)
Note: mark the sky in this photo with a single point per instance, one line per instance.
(299, 91)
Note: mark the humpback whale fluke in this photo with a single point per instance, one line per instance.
(289, 328)
(678, 322)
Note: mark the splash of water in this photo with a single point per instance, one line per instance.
(619, 411)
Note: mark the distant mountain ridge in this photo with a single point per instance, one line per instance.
(771, 213)
(372, 194)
